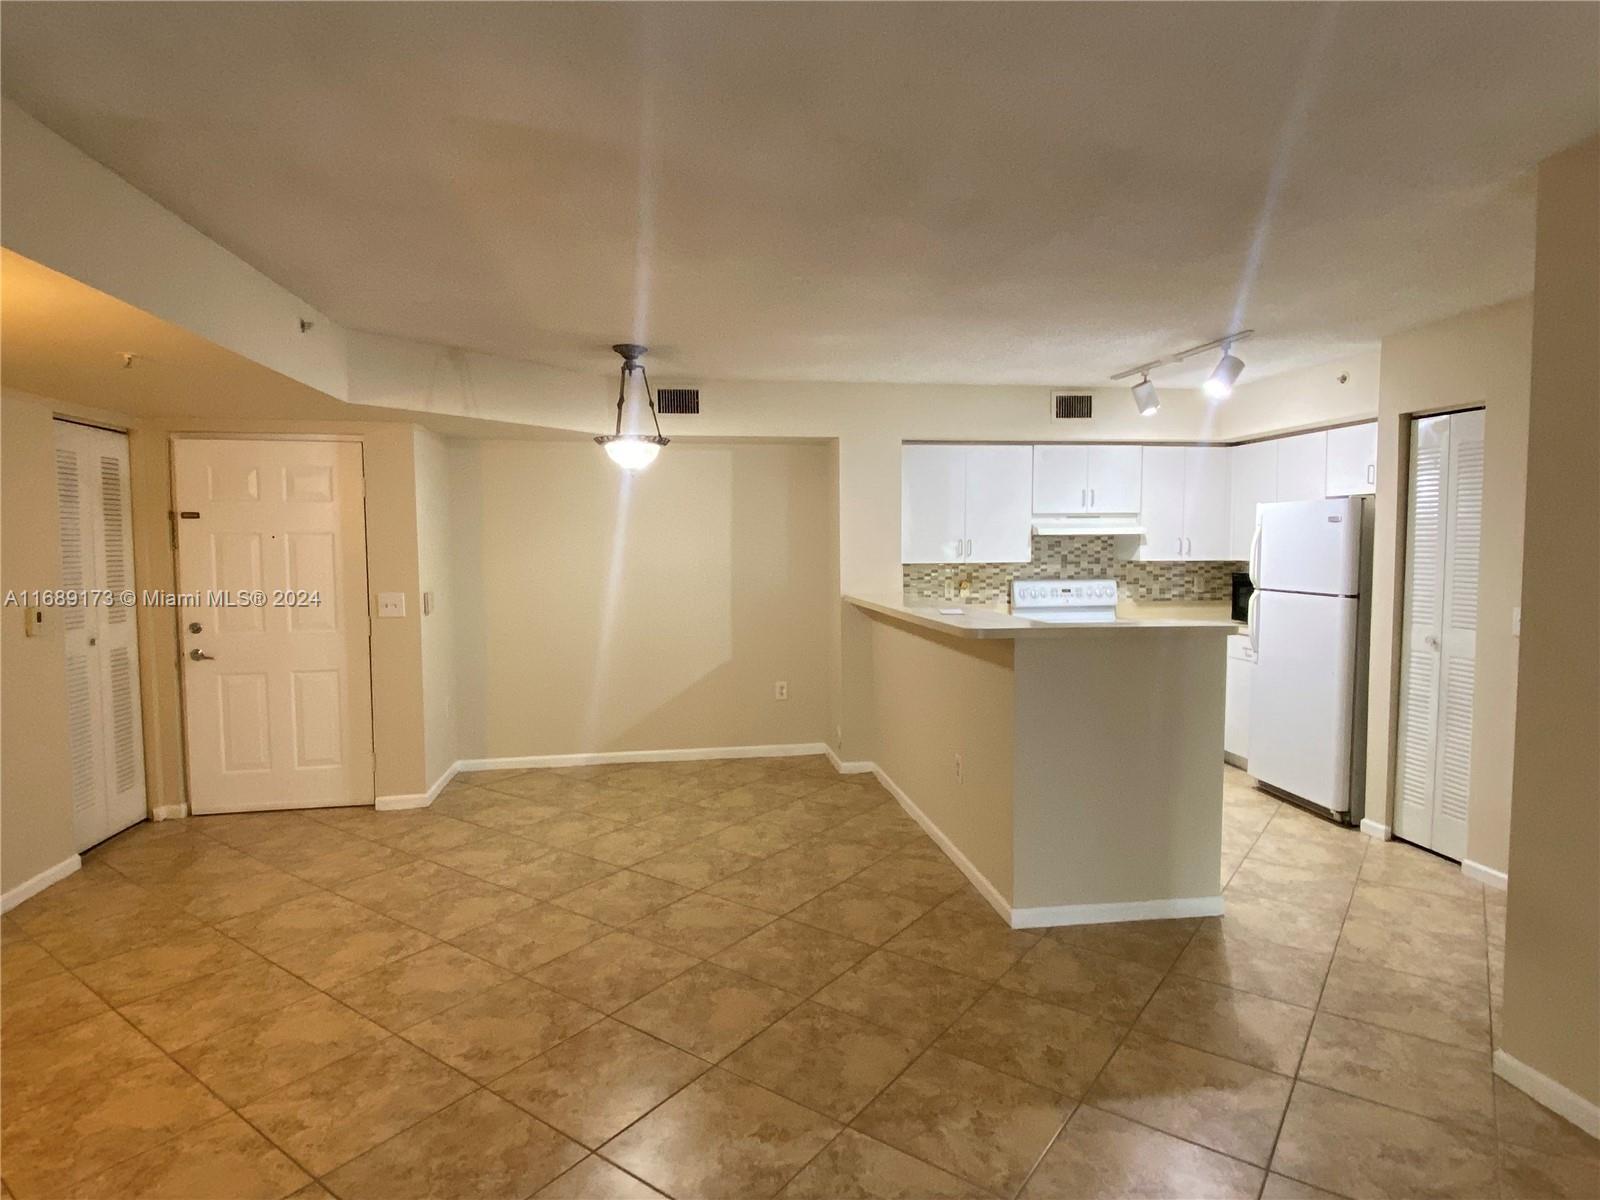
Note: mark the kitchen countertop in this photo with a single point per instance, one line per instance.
(977, 621)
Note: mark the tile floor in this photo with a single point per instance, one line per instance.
(743, 979)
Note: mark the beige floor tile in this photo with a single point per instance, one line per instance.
(398, 886)
(345, 1109)
(349, 861)
(488, 853)
(1153, 944)
(501, 1028)
(527, 940)
(551, 875)
(912, 876)
(203, 1007)
(52, 1147)
(1281, 1187)
(776, 885)
(572, 829)
(596, 1179)
(621, 898)
(1536, 1175)
(1428, 1078)
(542, 818)
(857, 1167)
(1523, 1121)
(296, 921)
(1097, 984)
(233, 897)
(985, 1127)
(798, 958)
(479, 1148)
(700, 925)
(40, 1005)
(421, 832)
(721, 1138)
(1045, 1044)
(90, 936)
(1239, 1025)
(328, 958)
(225, 1158)
(747, 800)
(696, 865)
(708, 1010)
(147, 970)
(403, 992)
(1408, 1003)
(1259, 919)
(1356, 1148)
(1222, 954)
(35, 1069)
(22, 961)
(903, 995)
(598, 1082)
(1101, 1156)
(458, 909)
(1444, 916)
(825, 1059)
(755, 838)
(1303, 886)
(631, 844)
(980, 948)
(1217, 1102)
(613, 970)
(1399, 865)
(860, 913)
(246, 1062)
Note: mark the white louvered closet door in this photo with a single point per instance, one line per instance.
(105, 738)
(1439, 634)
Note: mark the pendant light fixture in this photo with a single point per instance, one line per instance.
(633, 447)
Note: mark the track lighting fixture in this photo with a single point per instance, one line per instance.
(1220, 385)
(1145, 398)
(632, 447)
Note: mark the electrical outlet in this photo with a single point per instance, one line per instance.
(780, 690)
(960, 770)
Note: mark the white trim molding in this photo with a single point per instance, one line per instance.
(169, 812)
(32, 887)
(537, 761)
(417, 799)
(847, 768)
(1557, 1097)
(987, 890)
(1375, 829)
(1487, 876)
(1100, 914)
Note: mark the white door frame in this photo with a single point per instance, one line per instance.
(177, 626)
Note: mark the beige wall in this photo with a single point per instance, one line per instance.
(601, 611)
(926, 698)
(1552, 972)
(1476, 359)
(436, 579)
(35, 783)
(1336, 392)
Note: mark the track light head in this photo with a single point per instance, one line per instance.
(1220, 385)
(1145, 398)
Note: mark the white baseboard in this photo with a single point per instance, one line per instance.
(1557, 1097)
(847, 768)
(977, 878)
(1101, 914)
(169, 812)
(32, 887)
(1487, 876)
(1375, 829)
(536, 761)
(417, 799)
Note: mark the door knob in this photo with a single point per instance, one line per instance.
(1431, 642)
(199, 655)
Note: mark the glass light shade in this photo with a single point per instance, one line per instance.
(632, 453)
(1145, 398)
(1220, 385)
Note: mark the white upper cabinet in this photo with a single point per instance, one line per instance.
(1086, 479)
(1252, 480)
(966, 504)
(1184, 502)
(1303, 466)
(1352, 460)
(933, 504)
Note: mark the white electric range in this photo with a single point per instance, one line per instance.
(1064, 601)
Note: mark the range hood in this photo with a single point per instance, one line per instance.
(1120, 525)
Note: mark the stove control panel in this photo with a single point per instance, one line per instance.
(1063, 593)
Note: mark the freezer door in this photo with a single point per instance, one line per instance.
(1309, 546)
(1302, 695)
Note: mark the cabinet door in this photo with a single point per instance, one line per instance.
(1161, 502)
(1236, 706)
(1060, 479)
(1114, 479)
(1252, 480)
(1205, 502)
(1303, 466)
(933, 498)
(999, 503)
(1353, 460)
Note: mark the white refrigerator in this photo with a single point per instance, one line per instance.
(1310, 564)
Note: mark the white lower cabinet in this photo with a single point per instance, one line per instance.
(1184, 503)
(1236, 712)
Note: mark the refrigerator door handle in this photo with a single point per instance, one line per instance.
(1250, 621)
(1255, 556)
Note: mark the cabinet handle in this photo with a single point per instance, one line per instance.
(1083, 497)
(1372, 473)
(1091, 497)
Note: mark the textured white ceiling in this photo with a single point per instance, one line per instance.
(957, 193)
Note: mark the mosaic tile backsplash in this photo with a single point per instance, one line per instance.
(1075, 558)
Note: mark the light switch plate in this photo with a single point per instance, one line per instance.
(391, 604)
(1516, 621)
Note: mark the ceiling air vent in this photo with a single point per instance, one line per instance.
(1070, 407)
(677, 400)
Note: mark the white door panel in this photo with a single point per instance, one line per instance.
(999, 506)
(279, 711)
(1252, 480)
(933, 504)
(1113, 473)
(1060, 479)
(1303, 466)
(1310, 546)
(1302, 695)
(1205, 502)
(1353, 460)
(1161, 502)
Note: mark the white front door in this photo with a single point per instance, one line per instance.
(274, 623)
(104, 734)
